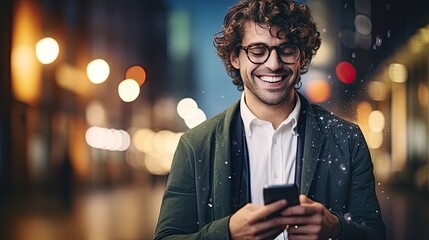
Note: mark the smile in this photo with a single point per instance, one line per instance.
(271, 79)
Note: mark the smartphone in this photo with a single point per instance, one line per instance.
(274, 193)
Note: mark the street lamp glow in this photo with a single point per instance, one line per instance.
(398, 73)
(47, 50)
(98, 71)
(186, 108)
(128, 90)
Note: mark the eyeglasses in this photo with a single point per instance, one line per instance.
(259, 53)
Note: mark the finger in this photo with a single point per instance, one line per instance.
(303, 232)
(272, 208)
(271, 233)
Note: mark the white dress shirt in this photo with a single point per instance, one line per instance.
(272, 152)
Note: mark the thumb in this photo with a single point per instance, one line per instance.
(304, 199)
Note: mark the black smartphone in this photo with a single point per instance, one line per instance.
(274, 193)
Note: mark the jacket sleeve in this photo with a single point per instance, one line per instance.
(363, 221)
(183, 214)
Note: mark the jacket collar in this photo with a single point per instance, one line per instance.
(312, 145)
(222, 179)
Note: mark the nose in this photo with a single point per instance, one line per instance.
(273, 62)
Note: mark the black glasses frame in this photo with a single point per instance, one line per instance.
(270, 49)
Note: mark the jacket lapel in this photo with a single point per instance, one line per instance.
(313, 143)
(222, 179)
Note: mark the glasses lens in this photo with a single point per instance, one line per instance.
(258, 54)
(288, 54)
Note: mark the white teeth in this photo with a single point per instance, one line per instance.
(271, 79)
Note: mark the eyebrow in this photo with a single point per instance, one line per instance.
(262, 43)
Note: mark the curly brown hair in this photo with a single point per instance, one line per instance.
(294, 21)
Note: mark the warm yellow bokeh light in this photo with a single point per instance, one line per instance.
(363, 110)
(398, 73)
(96, 114)
(377, 90)
(423, 95)
(73, 79)
(142, 139)
(375, 140)
(128, 90)
(98, 71)
(47, 50)
(376, 121)
(26, 70)
(157, 147)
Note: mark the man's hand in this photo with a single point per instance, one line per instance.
(250, 222)
(311, 220)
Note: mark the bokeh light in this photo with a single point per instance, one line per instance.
(198, 117)
(98, 71)
(318, 90)
(107, 139)
(363, 24)
(363, 110)
(186, 108)
(143, 140)
(128, 90)
(47, 50)
(137, 73)
(73, 79)
(375, 140)
(377, 90)
(423, 94)
(398, 73)
(345, 71)
(95, 114)
(157, 148)
(376, 121)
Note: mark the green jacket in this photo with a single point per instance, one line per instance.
(336, 171)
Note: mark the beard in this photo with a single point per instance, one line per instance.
(272, 96)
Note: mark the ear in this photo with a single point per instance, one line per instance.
(235, 62)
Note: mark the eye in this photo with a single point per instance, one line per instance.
(258, 50)
(287, 50)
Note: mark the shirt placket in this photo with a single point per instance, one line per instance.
(276, 159)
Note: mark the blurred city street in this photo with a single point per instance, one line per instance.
(123, 212)
(130, 212)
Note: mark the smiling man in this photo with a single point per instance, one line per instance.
(271, 136)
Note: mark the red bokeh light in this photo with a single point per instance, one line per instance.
(346, 73)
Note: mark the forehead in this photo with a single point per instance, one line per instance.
(264, 34)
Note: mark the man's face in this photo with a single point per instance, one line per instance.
(271, 83)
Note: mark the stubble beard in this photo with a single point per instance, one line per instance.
(263, 96)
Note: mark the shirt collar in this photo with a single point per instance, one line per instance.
(250, 119)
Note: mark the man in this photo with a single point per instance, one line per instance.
(271, 136)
